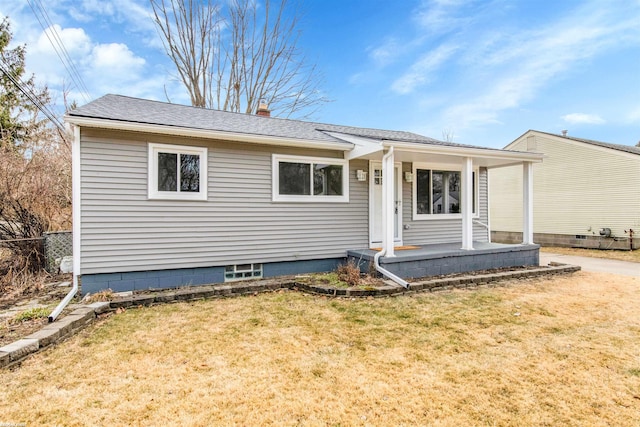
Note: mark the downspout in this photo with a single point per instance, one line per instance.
(387, 273)
(56, 312)
(383, 251)
(75, 185)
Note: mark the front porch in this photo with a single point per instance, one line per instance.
(448, 258)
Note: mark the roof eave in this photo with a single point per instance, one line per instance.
(93, 122)
(513, 156)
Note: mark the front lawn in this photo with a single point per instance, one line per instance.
(631, 256)
(561, 351)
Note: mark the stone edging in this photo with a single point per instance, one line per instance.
(69, 325)
(52, 333)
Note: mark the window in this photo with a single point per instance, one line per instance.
(242, 272)
(436, 193)
(310, 179)
(177, 172)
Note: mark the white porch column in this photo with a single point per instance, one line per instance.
(527, 203)
(388, 202)
(466, 203)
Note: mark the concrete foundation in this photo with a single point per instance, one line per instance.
(569, 241)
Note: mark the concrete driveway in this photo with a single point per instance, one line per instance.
(597, 265)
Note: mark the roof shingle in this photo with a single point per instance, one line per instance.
(626, 148)
(136, 110)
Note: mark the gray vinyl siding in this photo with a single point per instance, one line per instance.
(122, 230)
(441, 230)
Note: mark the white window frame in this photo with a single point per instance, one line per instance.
(310, 198)
(154, 193)
(441, 168)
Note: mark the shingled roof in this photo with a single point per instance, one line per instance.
(626, 148)
(143, 111)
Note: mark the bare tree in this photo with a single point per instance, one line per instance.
(189, 31)
(448, 134)
(35, 171)
(233, 54)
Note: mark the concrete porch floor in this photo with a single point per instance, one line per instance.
(448, 258)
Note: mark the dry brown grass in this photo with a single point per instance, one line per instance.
(547, 352)
(632, 256)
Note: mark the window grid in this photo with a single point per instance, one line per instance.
(177, 172)
(242, 272)
(309, 179)
(434, 190)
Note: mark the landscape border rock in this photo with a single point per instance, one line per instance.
(13, 353)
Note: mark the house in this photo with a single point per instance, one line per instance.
(167, 195)
(586, 193)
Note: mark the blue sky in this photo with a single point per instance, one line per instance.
(482, 71)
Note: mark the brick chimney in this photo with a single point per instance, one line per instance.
(263, 109)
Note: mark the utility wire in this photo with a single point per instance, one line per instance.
(58, 46)
(83, 88)
(33, 98)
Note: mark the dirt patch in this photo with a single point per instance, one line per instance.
(377, 281)
(45, 293)
(12, 331)
(45, 296)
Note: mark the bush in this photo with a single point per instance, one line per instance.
(35, 197)
(349, 273)
(101, 296)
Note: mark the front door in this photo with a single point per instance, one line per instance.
(375, 204)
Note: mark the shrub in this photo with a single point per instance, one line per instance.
(100, 296)
(349, 273)
(35, 197)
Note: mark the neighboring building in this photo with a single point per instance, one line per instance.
(586, 193)
(167, 195)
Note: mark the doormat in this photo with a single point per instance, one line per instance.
(398, 248)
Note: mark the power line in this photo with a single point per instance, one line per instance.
(32, 97)
(58, 46)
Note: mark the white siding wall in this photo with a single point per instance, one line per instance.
(124, 231)
(578, 189)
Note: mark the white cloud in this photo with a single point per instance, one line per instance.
(386, 52)
(441, 16)
(514, 71)
(633, 116)
(581, 118)
(133, 16)
(75, 41)
(422, 71)
(115, 58)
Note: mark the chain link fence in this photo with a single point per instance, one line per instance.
(57, 245)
